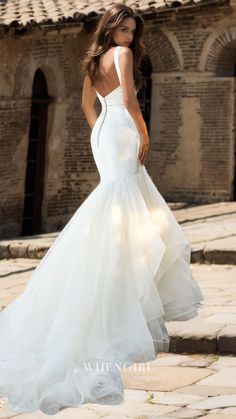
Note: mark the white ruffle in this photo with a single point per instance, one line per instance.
(81, 307)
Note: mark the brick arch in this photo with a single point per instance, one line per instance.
(48, 64)
(164, 51)
(49, 58)
(219, 52)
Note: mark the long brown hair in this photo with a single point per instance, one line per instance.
(102, 41)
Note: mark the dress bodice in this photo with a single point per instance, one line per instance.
(113, 106)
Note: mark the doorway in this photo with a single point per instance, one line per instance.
(234, 180)
(34, 179)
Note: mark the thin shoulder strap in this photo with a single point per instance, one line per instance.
(116, 61)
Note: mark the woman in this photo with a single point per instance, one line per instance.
(120, 268)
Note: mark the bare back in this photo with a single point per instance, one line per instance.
(110, 80)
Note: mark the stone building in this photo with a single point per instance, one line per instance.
(187, 99)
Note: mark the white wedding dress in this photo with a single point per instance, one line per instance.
(99, 299)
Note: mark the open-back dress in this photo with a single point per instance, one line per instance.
(99, 299)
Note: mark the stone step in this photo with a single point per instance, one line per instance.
(210, 230)
(219, 251)
(29, 247)
(192, 213)
(213, 331)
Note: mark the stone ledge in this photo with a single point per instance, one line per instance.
(221, 252)
(227, 340)
(207, 253)
(219, 341)
(31, 249)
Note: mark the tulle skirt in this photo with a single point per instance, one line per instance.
(98, 300)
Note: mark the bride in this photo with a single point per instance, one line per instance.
(99, 299)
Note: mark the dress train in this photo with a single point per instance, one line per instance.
(99, 299)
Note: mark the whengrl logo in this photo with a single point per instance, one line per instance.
(111, 366)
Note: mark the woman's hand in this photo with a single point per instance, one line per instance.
(144, 147)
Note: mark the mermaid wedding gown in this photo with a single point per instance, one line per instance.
(98, 300)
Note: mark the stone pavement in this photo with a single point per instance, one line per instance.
(172, 386)
(197, 378)
(210, 229)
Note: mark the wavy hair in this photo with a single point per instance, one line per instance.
(102, 41)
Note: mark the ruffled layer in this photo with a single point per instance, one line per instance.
(100, 297)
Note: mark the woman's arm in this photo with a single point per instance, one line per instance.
(88, 99)
(131, 101)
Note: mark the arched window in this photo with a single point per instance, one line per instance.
(34, 180)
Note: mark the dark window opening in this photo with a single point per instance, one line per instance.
(234, 181)
(34, 180)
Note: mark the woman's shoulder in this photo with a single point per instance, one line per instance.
(126, 50)
(127, 53)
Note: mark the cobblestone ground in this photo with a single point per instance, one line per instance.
(174, 385)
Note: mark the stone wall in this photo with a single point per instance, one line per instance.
(70, 172)
(192, 115)
(193, 104)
